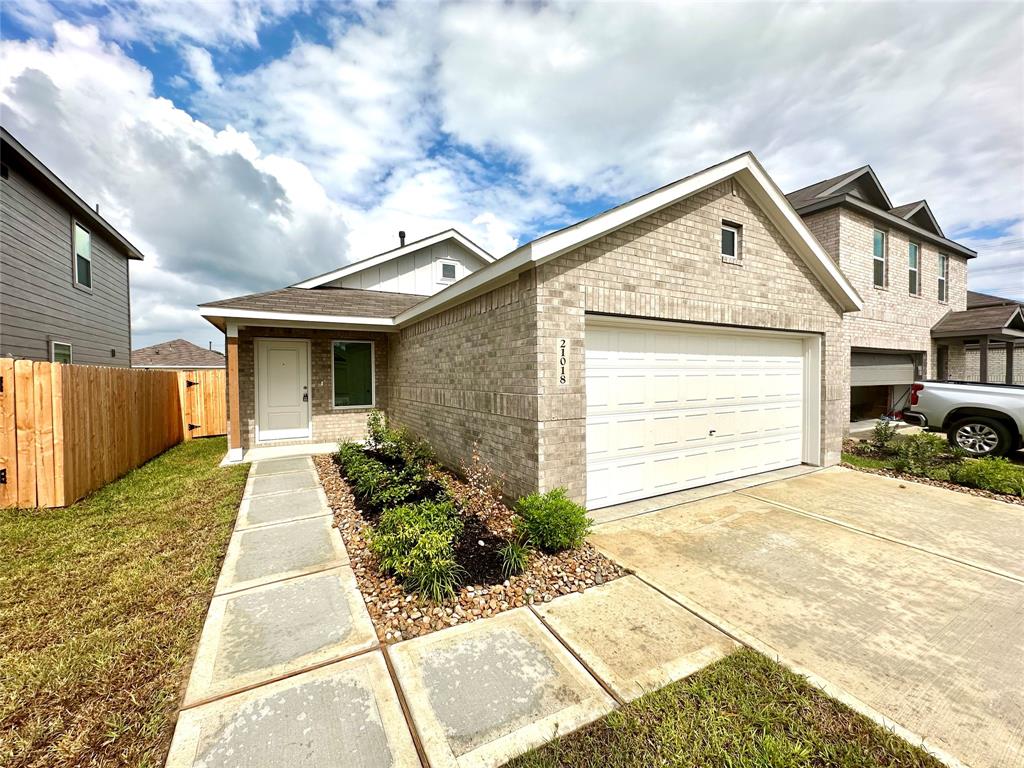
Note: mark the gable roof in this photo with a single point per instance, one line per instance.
(975, 299)
(919, 213)
(744, 168)
(334, 305)
(1000, 320)
(51, 183)
(394, 253)
(177, 353)
(845, 189)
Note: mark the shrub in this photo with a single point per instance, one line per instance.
(923, 454)
(515, 555)
(991, 474)
(377, 484)
(551, 521)
(416, 543)
(882, 435)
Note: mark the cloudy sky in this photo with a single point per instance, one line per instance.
(245, 145)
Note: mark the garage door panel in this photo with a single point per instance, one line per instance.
(675, 408)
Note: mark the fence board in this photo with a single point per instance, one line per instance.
(66, 430)
(8, 437)
(204, 403)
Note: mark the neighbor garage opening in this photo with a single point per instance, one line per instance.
(677, 405)
(880, 382)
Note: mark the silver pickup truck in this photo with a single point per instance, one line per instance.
(982, 419)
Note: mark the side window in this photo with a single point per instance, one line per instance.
(60, 352)
(943, 277)
(82, 247)
(448, 270)
(881, 273)
(914, 273)
(732, 241)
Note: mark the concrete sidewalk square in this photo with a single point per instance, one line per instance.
(281, 508)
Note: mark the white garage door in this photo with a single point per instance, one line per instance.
(672, 407)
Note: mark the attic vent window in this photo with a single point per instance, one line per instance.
(448, 272)
(731, 242)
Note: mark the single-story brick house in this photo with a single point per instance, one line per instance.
(691, 335)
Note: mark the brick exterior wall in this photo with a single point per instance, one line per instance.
(969, 367)
(892, 318)
(668, 266)
(468, 376)
(329, 424)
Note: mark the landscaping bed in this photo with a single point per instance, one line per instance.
(443, 550)
(927, 458)
(744, 711)
(101, 606)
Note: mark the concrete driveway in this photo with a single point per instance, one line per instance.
(904, 599)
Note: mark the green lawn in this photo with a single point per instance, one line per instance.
(101, 605)
(745, 711)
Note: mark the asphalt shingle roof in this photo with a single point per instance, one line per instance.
(323, 301)
(178, 353)
(976, 320)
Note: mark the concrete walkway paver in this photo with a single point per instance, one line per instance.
(282, 482)
(266, 632)
(634, 638)
(341, 715)
(935, 645)
(273, 552)
(282, 508)
(483, 692)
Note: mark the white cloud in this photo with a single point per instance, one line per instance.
(213, 214)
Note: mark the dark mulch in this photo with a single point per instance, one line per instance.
(398, 615)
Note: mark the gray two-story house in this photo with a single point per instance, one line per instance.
(63, 269)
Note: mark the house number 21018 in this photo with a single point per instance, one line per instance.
(563, 349)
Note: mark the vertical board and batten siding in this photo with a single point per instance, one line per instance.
(39, 301)
(67, 430)
(416, 272)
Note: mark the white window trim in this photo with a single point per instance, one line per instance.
(373, 375)
(75, 224)
(915, 268)
(737, 233)
(440, 271)
(944, 277)
(53, 350)
(884, 258)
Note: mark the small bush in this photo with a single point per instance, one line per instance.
(416, 543)
(515, 555)
(397, 445)
(551, 521)
(882, 435)
(991, 474)
(376, 484)
(923, 454)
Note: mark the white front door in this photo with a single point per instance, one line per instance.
(282, 389)
(672, 407)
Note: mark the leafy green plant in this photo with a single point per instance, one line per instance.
(882, 435)
(416, 543)
(551, 521)
(515, 556)
(991, 474)
(379, 485)
(924, 454)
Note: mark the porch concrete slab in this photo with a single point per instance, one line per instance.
(264, 633)
(258, 485)
(632, 637)
(972, 529)
(277, 466)
(343, 714)
(282, 508)
(934, 645)
(655, 503)
(274, 552)
(484, 692)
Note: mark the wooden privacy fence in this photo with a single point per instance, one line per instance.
(66, 430)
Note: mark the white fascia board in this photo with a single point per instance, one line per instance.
(294, 317)
(744, 167)
(381, 258)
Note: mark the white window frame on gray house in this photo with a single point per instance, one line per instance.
(441, 276)
(86, 256)
(53, 352)
(880, 260)
(914, 268)
(736, 231)
(373, 376)
(943, 281)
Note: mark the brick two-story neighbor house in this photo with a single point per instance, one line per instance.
(63, 269)
(698, 333)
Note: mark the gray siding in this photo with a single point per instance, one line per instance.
(38, 299)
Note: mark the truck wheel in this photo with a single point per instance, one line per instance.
(980, 436)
